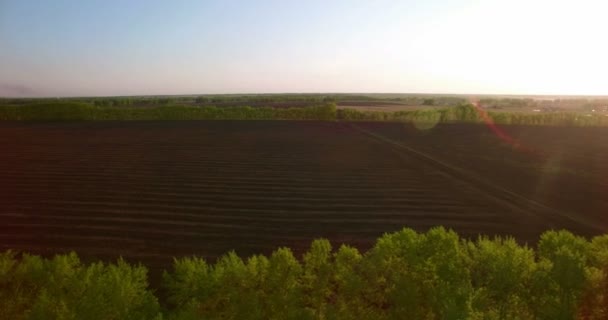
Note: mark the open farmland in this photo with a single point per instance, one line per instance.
(564, 168)
(149, 191)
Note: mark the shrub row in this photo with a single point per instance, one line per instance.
(82, 111)
(550, 118)
(243, 99)
(467, 113)
(325, 111)
(433, 115)
(405, 275)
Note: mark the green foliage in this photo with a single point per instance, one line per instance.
(508, 103)
(595, 297)
(64, 288)
(66, 111)
(244, 99)
(348, 300)
(501, 270)
(420, 276)
(317, 277)
(563, 258)
(405, 275)
(462, 113)
(467, 113)
(598, 104)
(549, 118)
(261, 288)
(325, 109)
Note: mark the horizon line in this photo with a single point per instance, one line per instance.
(571, 96)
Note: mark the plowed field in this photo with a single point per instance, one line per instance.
(149, 191)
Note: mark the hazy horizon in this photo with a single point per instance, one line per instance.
(369, 94)
(110, 48)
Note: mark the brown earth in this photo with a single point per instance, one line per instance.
(149, 191)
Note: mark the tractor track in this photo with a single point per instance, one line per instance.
(484, 186)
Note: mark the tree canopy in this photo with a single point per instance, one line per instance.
(405, 275)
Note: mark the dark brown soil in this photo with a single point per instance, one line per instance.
(149, 191)
(564, 168)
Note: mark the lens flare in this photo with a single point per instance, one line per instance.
(499, 132)
(426, 124)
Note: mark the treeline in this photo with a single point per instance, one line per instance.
(64, 288)
(82, 111)
(243, 99)
(405, 275)
(545, 104)
(494, 103)
(148, 101)
(397, 99)
(430, 101)
(322, 111)
(467, 113)
(549, 118)
(432, 115)
(205, 100)
(314, 98)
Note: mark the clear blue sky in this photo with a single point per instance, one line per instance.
(112, 47)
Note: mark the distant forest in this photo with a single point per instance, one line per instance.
(302, 100)
(425, 109)
(273, 100)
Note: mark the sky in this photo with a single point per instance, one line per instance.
(139, 47)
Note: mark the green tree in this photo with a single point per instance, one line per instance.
(282, 296)
(595, 297)
(500, 271)
(63, 288)
(349, 301)
(419, 276)
(317, 276)
(561, 276)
